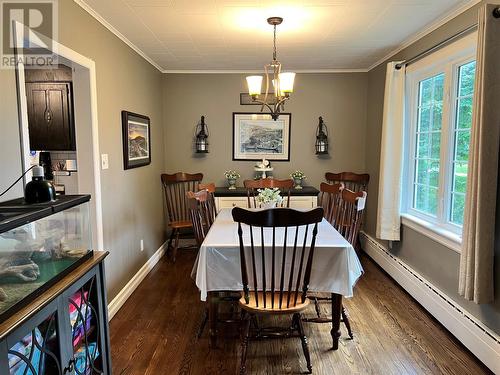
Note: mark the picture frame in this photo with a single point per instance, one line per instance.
(257, 136)
(136, 137)
(246, 99)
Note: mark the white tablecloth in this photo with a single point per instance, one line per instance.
(335, 269)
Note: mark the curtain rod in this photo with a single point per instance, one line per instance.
(496, 14)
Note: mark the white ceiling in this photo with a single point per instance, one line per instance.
(233, 35)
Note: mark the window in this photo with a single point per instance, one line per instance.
(439, 98)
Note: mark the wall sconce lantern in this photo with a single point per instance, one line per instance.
(202, 137)
(321, 138)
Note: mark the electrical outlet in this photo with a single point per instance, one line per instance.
(104, 161)
(142, 245)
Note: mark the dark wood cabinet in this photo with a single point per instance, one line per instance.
(64, 331)
(50, 116)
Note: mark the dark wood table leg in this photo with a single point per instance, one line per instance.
(212, 318)
(336, 313)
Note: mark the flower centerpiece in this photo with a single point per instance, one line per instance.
(298, 177)
(269, 197)
(231, 177)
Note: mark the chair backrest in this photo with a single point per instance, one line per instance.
(287, 278)
(175, 187)
(210, 188)
(349, 215)
(352, 181)
(252, 185)
(201, 213)
(329, 198)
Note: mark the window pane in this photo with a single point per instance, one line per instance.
(424, 119)
(464, 115)
(463, 122)
(428, 141)
(457, 208)
(466, 82)
(460, 177)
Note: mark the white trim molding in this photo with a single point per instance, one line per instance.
(129, 288)
(446, 238)
(118, 34)
(427, 30)
(472, 333)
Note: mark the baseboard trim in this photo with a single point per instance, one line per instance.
(134, 282)
(473, 334)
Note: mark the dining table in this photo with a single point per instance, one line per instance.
(335, 268)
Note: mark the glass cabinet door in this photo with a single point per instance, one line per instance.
(86, 330)
(36, 352)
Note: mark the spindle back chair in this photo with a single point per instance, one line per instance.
(210, 188)
(278, 287)
(329, 198)
(175, 187)
(201, 213)
(348, 217)
(252, 186)
(352, 181)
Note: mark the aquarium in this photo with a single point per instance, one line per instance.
(39, 244)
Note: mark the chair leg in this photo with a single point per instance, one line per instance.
(345, 319)
(203, 323)
(305, 347)
(170, 239)
(176, 245)
(244, 343)
(316, 307)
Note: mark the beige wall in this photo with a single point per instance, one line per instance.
(339, 98)
(132, 199)
(434, 261)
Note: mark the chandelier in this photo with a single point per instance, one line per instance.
(282, 82)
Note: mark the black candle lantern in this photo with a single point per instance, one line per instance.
(202, 137)
(321, 138)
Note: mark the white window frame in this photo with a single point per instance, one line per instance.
(447, 60)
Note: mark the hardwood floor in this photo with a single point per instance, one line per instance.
(155, 333)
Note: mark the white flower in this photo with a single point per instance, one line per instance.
(269, 195)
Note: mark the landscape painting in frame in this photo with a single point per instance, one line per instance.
(257, 136)
(136, 140)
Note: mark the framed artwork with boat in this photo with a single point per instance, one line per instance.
(257, 136)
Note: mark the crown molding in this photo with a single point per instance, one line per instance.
(118, 34)
(435, 25)
(426, 31)
(302, 71)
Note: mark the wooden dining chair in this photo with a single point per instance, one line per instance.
(175, 187)
(202, 213)
(210, 188)
(329, 198)
(253, 185)
(275, 284)
(346, 219)
(352, 181)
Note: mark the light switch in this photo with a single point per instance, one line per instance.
(104, 161)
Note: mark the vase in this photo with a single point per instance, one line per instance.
(267, 205)
(232, 183)
(298, 183)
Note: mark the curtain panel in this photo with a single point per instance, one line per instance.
(478, 241)
(391, 155)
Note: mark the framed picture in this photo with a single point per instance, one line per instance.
(136, 136)
(246, 99)
(257, 136)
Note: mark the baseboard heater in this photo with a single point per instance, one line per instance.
(473, 334)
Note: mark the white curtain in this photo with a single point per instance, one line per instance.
(478, 242)
(391, 155)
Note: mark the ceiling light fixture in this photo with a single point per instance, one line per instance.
(282, 82)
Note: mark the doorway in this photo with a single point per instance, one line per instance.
(85, 119)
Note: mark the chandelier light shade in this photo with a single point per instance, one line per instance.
(281, 82)
(254, 85)
(202, 137)
(321, 138)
